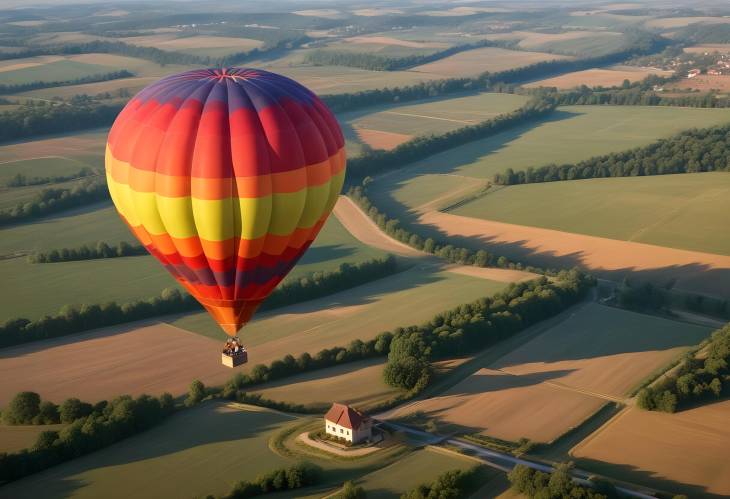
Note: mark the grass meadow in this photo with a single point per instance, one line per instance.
(685, 211)
(119, 279)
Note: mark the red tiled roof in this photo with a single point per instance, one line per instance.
(346, 416)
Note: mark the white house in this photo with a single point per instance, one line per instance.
(345, 422)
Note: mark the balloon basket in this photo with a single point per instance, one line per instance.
(234, 360)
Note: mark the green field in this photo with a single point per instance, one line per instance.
(404, 299)
(43, 156)
(434, 116)
(419, 467)
(119, 279)
(586, 46)
(52, 71)
(356, 383)
(687, 211)
(42, 167)
(571, 134)
(201, 451)
(198, 452)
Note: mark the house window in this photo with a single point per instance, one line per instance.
(342, 431)
(348, 432)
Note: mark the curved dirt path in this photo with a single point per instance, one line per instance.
(704, 273)
(366, 231)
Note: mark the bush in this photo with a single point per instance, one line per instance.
(73, 409)
(292, 478)
(196, 393)
(23, 409)
(450, 485)
(555, 485)
(350, 491)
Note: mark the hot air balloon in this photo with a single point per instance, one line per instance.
(226, 176)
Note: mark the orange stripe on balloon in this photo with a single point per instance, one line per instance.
(141, 180)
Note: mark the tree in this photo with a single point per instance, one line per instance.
(24, 407)
(48, 413)
(351, 491)
(73, 409)
(196, 393)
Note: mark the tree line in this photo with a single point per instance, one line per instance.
(632, 96)
(35, 85)
(699, 378)
(91, 427)
(161, 57)
(453, 484)
(87, 252)
(691, 151)
(21, 180)
(559, 484)
(73, 319)
(498, 81)
(474, 326)
(375, 161)
(41, 117)
(441, 249)
(53, 200)
(294, 477)
(379, 62)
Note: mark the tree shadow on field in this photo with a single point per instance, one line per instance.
(319, 254)
(639, 476)
(209, 424)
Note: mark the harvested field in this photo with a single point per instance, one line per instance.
(152, 358)
(697, 272)
(610, 77)
(359, 384)
(684, 452)
(62, 69)
(505, 406)
(473, 62)
(199, 45)
(87, 146)
(708, 48)
(325, 13)
(389, 40)
(200, 451)
(378, 139)
(15, 438)
(583, 360)
(604, 350)
(380, 11)
(681, 22)
(704, 83)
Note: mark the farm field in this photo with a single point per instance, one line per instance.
(359, 384)
(703, 83)
(363, 312)
(570, 134)
(14, 438)
(708, 48)
(214, 46)
(201, 451)
(686, 271)
(120, 279)
(685, 452)
(604, 350)
(474, 62)
(385, 45)
(380, 126)
(684, 211)
(61, 69)
(147, 357)
(566, 374)
(609, 77)
(681, 22)
(86, 147)
(411, 471)
(48, 166)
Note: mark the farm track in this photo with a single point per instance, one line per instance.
(364, 229)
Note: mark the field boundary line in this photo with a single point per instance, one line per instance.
(600, 430)
(465, 122)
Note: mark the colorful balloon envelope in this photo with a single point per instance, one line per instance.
(226, 176)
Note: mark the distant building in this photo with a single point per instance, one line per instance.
(714, 72)
(692, 73)
(350, 424)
